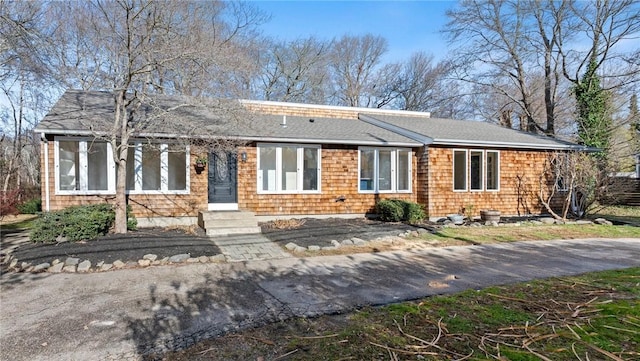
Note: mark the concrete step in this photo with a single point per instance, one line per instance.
(220, 223)
(225, 215)
(225, 231)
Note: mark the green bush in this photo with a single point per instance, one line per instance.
(413, 212)
(397, 210)
(75, 223)
(132, 222)
(31, 206)
(390, 210)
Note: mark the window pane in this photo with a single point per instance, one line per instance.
(151, 168)
(367, 164)
(68, 161)
(177, 172)
(310, 166)
(459, 170)
(267, 168)
(493, 172)
(97, 167)
(289, 168)
(403, 170)
(476, 170)
(384, 170)
(131, 167)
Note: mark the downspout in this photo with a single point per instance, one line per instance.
(46, 171)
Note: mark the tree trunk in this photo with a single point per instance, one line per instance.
(120, 148)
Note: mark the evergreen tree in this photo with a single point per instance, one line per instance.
(593, 119)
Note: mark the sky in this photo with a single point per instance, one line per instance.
(408, 26)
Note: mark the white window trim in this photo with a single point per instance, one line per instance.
(394, 174)
(164, 169)
(497, 175)
(466, 170)
(483, 174)
(483, 170)
(82, 165)
(299, 168)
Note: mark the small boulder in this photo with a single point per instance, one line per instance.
(56, 268)
(203, 259)
(602, 222)
(547, 220)
(358, 241)
(118, 264)
(314, 248)
(41, 267)
(150, 257)
(84, 266)
(106, 266)
(144, 262)
(71, 261)
(218, 258)
(290, 246)
(69, 269)
(299, 249)
(179, 258)
(335, 243)
(192, 260)
(347, 242)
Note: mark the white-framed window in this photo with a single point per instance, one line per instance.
(288, 168)
(384, 170)
(459, 170)
(476, 170)
(83, 166)
(157, 168)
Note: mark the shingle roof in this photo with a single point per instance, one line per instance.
(464, 132)
(92, 113)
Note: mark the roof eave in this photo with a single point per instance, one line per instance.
(466, 143)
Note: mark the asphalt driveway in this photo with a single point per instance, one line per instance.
(129, 313)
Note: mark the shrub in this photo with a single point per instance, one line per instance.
(132, 222)
(390, 210)
(75, 223)
(396, 210)
(413, 212)
(32, 206)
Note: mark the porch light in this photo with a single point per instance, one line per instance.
(243, 156)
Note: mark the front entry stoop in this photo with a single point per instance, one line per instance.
(223, 223)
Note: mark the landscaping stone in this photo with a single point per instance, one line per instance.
(155, 263)
(335, 243)
(55, 261)
(99, 264)
(71, 261)
(347, 242)
(358, 241)
(69, 269)
(164, 260)
(13, 263)
(314, 248)
(151, 257)
(106, 266)
(203, 259)
(41, 267)
(192, 260)
(25, 265)
(290, 246)
(422, 231)
(328, 248)
(300, 249)
(602, 222)
(218, 258)
(56, 268)
(547, 220)
(583, 222)
(84, 266)
(118, 264)
(144, 262)
(179, 258)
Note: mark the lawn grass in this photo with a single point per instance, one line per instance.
(595, 316)
(481, 235)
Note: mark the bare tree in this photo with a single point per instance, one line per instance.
(24, 74)
(295, 71)
(141, 48)
(353, 62)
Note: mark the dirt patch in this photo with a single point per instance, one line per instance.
(15, 218)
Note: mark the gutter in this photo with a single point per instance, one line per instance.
(576, 147)
(46, 172)
(243, 138)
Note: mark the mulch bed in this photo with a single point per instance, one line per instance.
(125, 247)
(168, 242)
(320, 232)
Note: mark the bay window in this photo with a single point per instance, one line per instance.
(384, 170)
(288, 168)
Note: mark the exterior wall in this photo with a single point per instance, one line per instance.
(519, 184)
(143, 205)
(339, 178)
